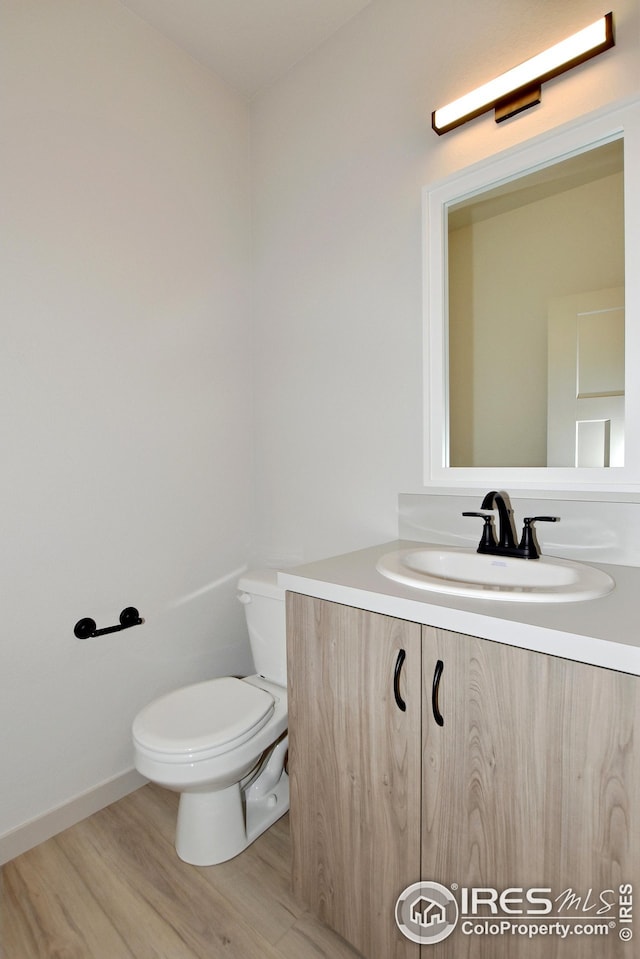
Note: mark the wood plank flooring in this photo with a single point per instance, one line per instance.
(112, 887)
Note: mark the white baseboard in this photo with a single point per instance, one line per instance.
(35, 831)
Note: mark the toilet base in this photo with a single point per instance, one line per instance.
(213, 827)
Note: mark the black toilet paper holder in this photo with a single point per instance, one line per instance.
(86, 628)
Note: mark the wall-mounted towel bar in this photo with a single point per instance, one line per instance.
(86, 628)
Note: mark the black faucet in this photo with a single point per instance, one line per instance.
(506, 534)
(506, 543)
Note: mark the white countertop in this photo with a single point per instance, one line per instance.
(601, 632)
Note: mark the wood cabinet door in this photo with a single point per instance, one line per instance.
(354, 767)
(532, 782)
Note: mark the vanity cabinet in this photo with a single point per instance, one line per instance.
(531, 781)
(354, 768)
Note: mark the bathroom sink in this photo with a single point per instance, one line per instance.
(465, 572)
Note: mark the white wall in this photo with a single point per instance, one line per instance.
(126, 386)
(341, 148)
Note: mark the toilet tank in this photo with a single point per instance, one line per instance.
(264, 607)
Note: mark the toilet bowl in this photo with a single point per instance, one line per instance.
(222, 743)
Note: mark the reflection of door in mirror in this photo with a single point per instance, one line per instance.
(511, 251)
(586, 380)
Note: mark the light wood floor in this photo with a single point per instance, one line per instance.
(112, 887)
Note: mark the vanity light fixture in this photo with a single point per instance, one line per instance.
(520, 88)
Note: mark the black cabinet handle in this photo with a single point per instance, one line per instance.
(400, 703)
(437, 673)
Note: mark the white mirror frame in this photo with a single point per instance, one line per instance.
(558, 144)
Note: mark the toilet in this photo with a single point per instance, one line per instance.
(222, 743)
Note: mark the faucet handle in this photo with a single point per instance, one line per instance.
(488, 540)
(528, 544)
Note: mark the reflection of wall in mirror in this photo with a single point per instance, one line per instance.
(503, 272)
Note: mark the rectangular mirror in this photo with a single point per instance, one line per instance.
(531, 317)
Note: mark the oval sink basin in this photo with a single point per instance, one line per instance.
(465, 572)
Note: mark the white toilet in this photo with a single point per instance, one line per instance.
(222, 744)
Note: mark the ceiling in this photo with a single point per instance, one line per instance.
(249, 43)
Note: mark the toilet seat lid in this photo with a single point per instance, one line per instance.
(200, 719)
